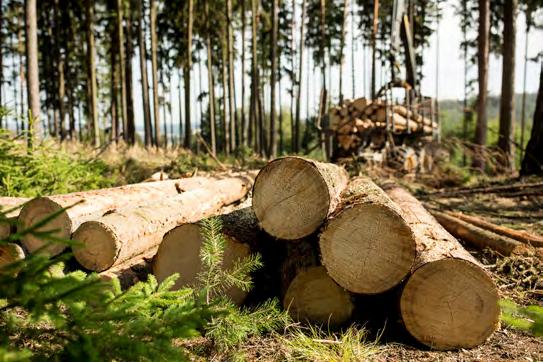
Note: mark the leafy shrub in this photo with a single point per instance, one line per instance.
(528, 318)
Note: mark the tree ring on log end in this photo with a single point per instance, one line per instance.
(37, 210)
(367, 248)
(290, 198)
(450, 304)
(313, 296)
(10, 253)
(99, 246)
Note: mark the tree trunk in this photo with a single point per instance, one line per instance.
(179, 251)
(154, 71)
(131, 127)
(33, 84)
(253, 112)
(507, 99)
(114, 87)
(121, 47)
(449, 301)
(272, 152)
(110, 240)
(186, 74)
(322, 104)
(210, 83)
(367, 245)
(374, 48)
(296, 134)
(532, 164)
(92, 205)
(231, 94)
(482, 68)
(144, 81)
(293, 196)
(227, 144)
(243, 120)
(2, 64)
(60, 62)
(342, 48)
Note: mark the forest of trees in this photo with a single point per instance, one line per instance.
(68, 67)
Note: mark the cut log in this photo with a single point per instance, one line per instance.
(478, 237)
(10, 253)
(360, 104)
(125, 233)
(314, 297)
(179, 251)
(520, 235)
(367, 246)
(7, 206)
(292, 196)
(92, 205)
(131, 271)
(449, 301)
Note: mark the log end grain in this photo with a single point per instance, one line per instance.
(314, 297)
(179, 253)
(60, 227)
(10, 253)
(99, 246)
(450, 304)
(292, 196)
(5, 230)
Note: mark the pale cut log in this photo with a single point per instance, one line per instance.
(92, 205)
(292, 196)
(10, 253)
(360, 104)
(125, 233)
(179, 251)
(131, 271)
(314, 297)
(449, 301)
(520, 235)
(478, 237)
(367, 246)
(10, 206)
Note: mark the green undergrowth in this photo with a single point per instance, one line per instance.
(526, 318)
(47, 169)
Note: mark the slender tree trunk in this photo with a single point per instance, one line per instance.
(225, 121)
(507, 100)
(186, 74)
(114, 87)
(154, 71)
(532, 164)
(293, 76)
(352, 51)
(482, 60)
(164, 120)
(210, 83)
(144, 81)
(122, 65)
(374, 46)
(22, 77)
(254, 110)
(2, 63)
(523, 109)
(272, 152)
(299, 85)
(91, 68)
(181, 125)
(60, 73)
(244, 127)
(342, 47)
(231, 94)
(323, 97)
(131, 127)
(33, 84)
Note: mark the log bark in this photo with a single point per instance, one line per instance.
(92, 205)
(449, 301)
(478, 237)
(10, 253)
(292, 196)
(520, 235)
(125, 233)
(8, 221)
(367, 245)
(179, 251)
(313, 296)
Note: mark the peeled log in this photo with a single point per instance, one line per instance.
(7, 204)
(449, 301)
(292, 196)
(367, 245)
(92, 205)
(478, 237)
(10, 253)
(520, 235)
(125, 233)
(179, 251)
(314, 297)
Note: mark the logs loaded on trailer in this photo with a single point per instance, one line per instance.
(449, 300)
(91, 205)
(127, 232)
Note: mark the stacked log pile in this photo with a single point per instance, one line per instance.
(325, 239)
(355, 121)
